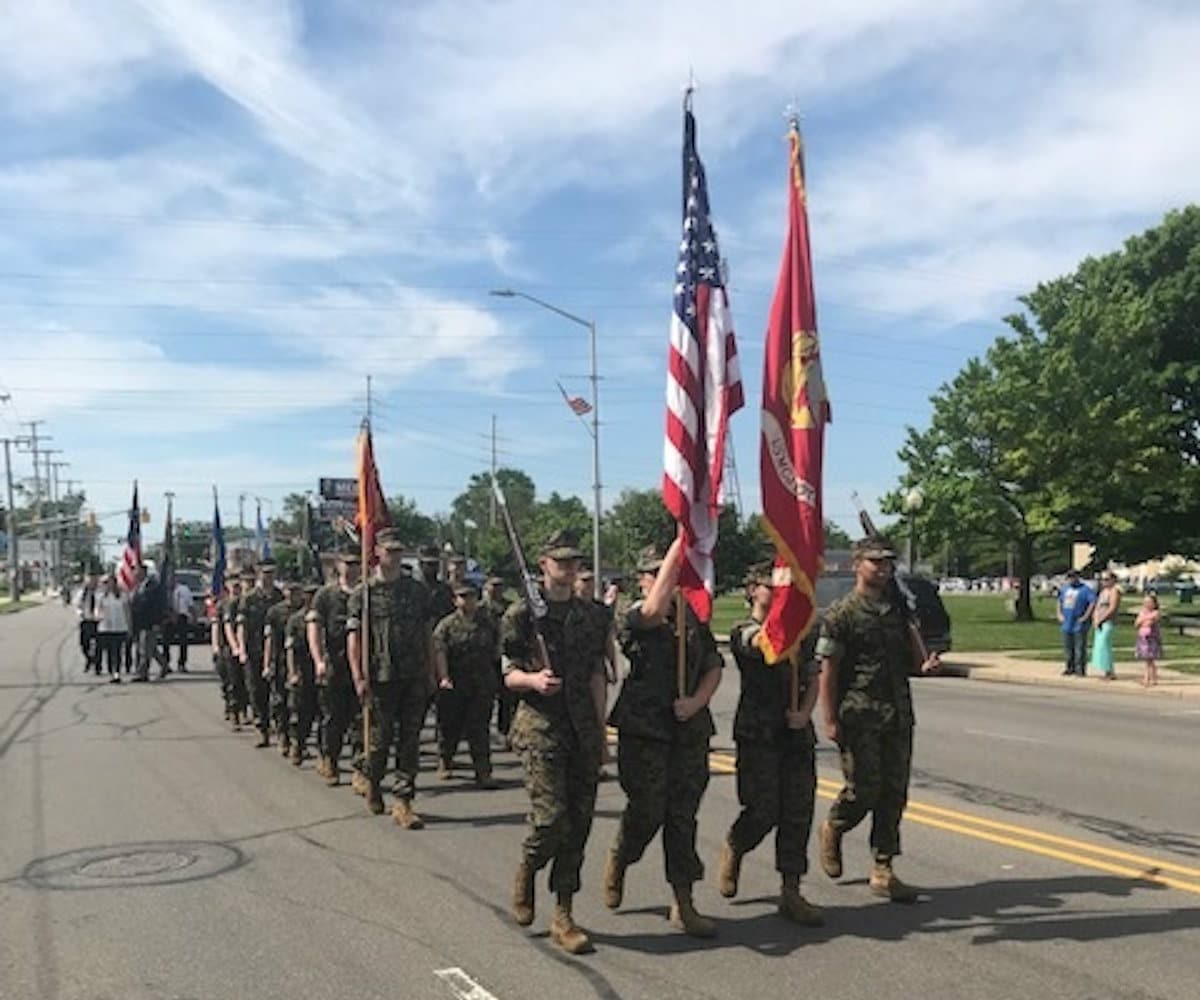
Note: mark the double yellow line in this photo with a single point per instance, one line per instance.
(1023, 838)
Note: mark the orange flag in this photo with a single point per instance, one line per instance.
(795, 410)
(373, 511)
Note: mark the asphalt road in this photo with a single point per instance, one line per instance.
(147, 852)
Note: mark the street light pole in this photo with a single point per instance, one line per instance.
(912, 503)
(594, 377)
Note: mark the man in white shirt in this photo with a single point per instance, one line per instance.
(181, 619)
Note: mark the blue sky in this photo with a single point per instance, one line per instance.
(219, 215)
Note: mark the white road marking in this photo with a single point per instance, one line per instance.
(1004, 736)
(464, 987)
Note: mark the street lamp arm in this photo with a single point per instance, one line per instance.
(509, 293)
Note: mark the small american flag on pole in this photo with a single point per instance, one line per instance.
(579, 406)
(131, 554)
(704, 384)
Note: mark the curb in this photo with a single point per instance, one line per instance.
(986, 675)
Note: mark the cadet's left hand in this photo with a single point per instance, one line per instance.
(293, 680)
(685, 708)
(446, 684)
(266, 673)
(932, 665)
(798, 720)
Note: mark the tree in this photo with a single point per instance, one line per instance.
(412, 527)
(1086, 419)
(835, 537)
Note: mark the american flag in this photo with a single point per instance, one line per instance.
(704, 384)
(579, 406)
(131, 555)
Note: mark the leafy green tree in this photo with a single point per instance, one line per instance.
(413, 527)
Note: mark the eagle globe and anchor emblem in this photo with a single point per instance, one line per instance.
(802, 383)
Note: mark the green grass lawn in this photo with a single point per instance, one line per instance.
(8, 607)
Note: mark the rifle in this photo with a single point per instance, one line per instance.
(529, 587)
(904, 600)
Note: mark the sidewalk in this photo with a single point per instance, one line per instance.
(1011, 668)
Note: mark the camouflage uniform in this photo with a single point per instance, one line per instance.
(506, 701)
(301, 685)
(870, 641)
(222, 657)
(663, 763)
(469, 645)
(441, 600)
(235, 680)
(275, 637)
(252, 615)
(397, 664)
(335, 691)
(776, 766)
(558, 736)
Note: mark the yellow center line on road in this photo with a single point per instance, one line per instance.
(1076, 852)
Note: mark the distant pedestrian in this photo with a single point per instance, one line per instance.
(1148, 647)
(149, 611)
(181, 622)
(112, 627)
(1075, 601)
(1104, 620)
(85, 607)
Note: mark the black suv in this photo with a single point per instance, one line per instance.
(932, 616)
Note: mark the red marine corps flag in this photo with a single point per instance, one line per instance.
(372, 507)
(704, 384)
(795, 410)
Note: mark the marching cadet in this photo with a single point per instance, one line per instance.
(495, 604)
(222, 655)
(464, 651)
(251, 623)
(301, 684)
(275, 667)
(776, 761)
(867, 652)
(441, 597)
(237, 670)
(558, 729)
(662, 750)
(394, 677)
(326, 628)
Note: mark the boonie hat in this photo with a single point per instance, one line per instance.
(562, 544)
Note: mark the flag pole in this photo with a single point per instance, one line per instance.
(364, 627)
(681, 639)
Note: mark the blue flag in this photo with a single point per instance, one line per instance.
(260, 537)
(218, 549)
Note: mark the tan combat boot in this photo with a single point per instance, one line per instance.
(445, 770)
(374, 798)
(359, 783)
(614, 881)
(831, 850)
(884, 882)
(685, 917)
(405, 817)
(522, 904)
(729, 870)
(332, 775)
(797, 909)
(564, 932)
(297, 754)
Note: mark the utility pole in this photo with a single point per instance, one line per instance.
(174, 553)
(14, 572)
(492, 493)
(32, 443)
(53, 556)
(60, 529)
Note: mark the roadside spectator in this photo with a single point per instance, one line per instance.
(181, 623)
(1075, 600)
(85, 607)
(1104, 619)
(1148, 647)
(112, 628)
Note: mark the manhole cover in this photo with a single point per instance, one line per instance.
(136, 865)
(125, 865)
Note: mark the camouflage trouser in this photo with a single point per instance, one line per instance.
(221, 663)
(257, 691)
(397, 715)
(337, 703)
(776, 786)
(506, 704)
(561, 779)
(279, 702)
(876, 764)
(466, 714)
(302, 708)
(664, 783)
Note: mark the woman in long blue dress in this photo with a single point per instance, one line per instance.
(1104, 618)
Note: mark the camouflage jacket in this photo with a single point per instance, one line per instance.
(441, 600)
(644, 707)
(399, 628)
(274, 634)
(330, 609)
(252, 611)
(469, 645)
(495, 608)
(766, 689)
(576, 649)
(870, 641)
(296, 642)
(226, 615)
